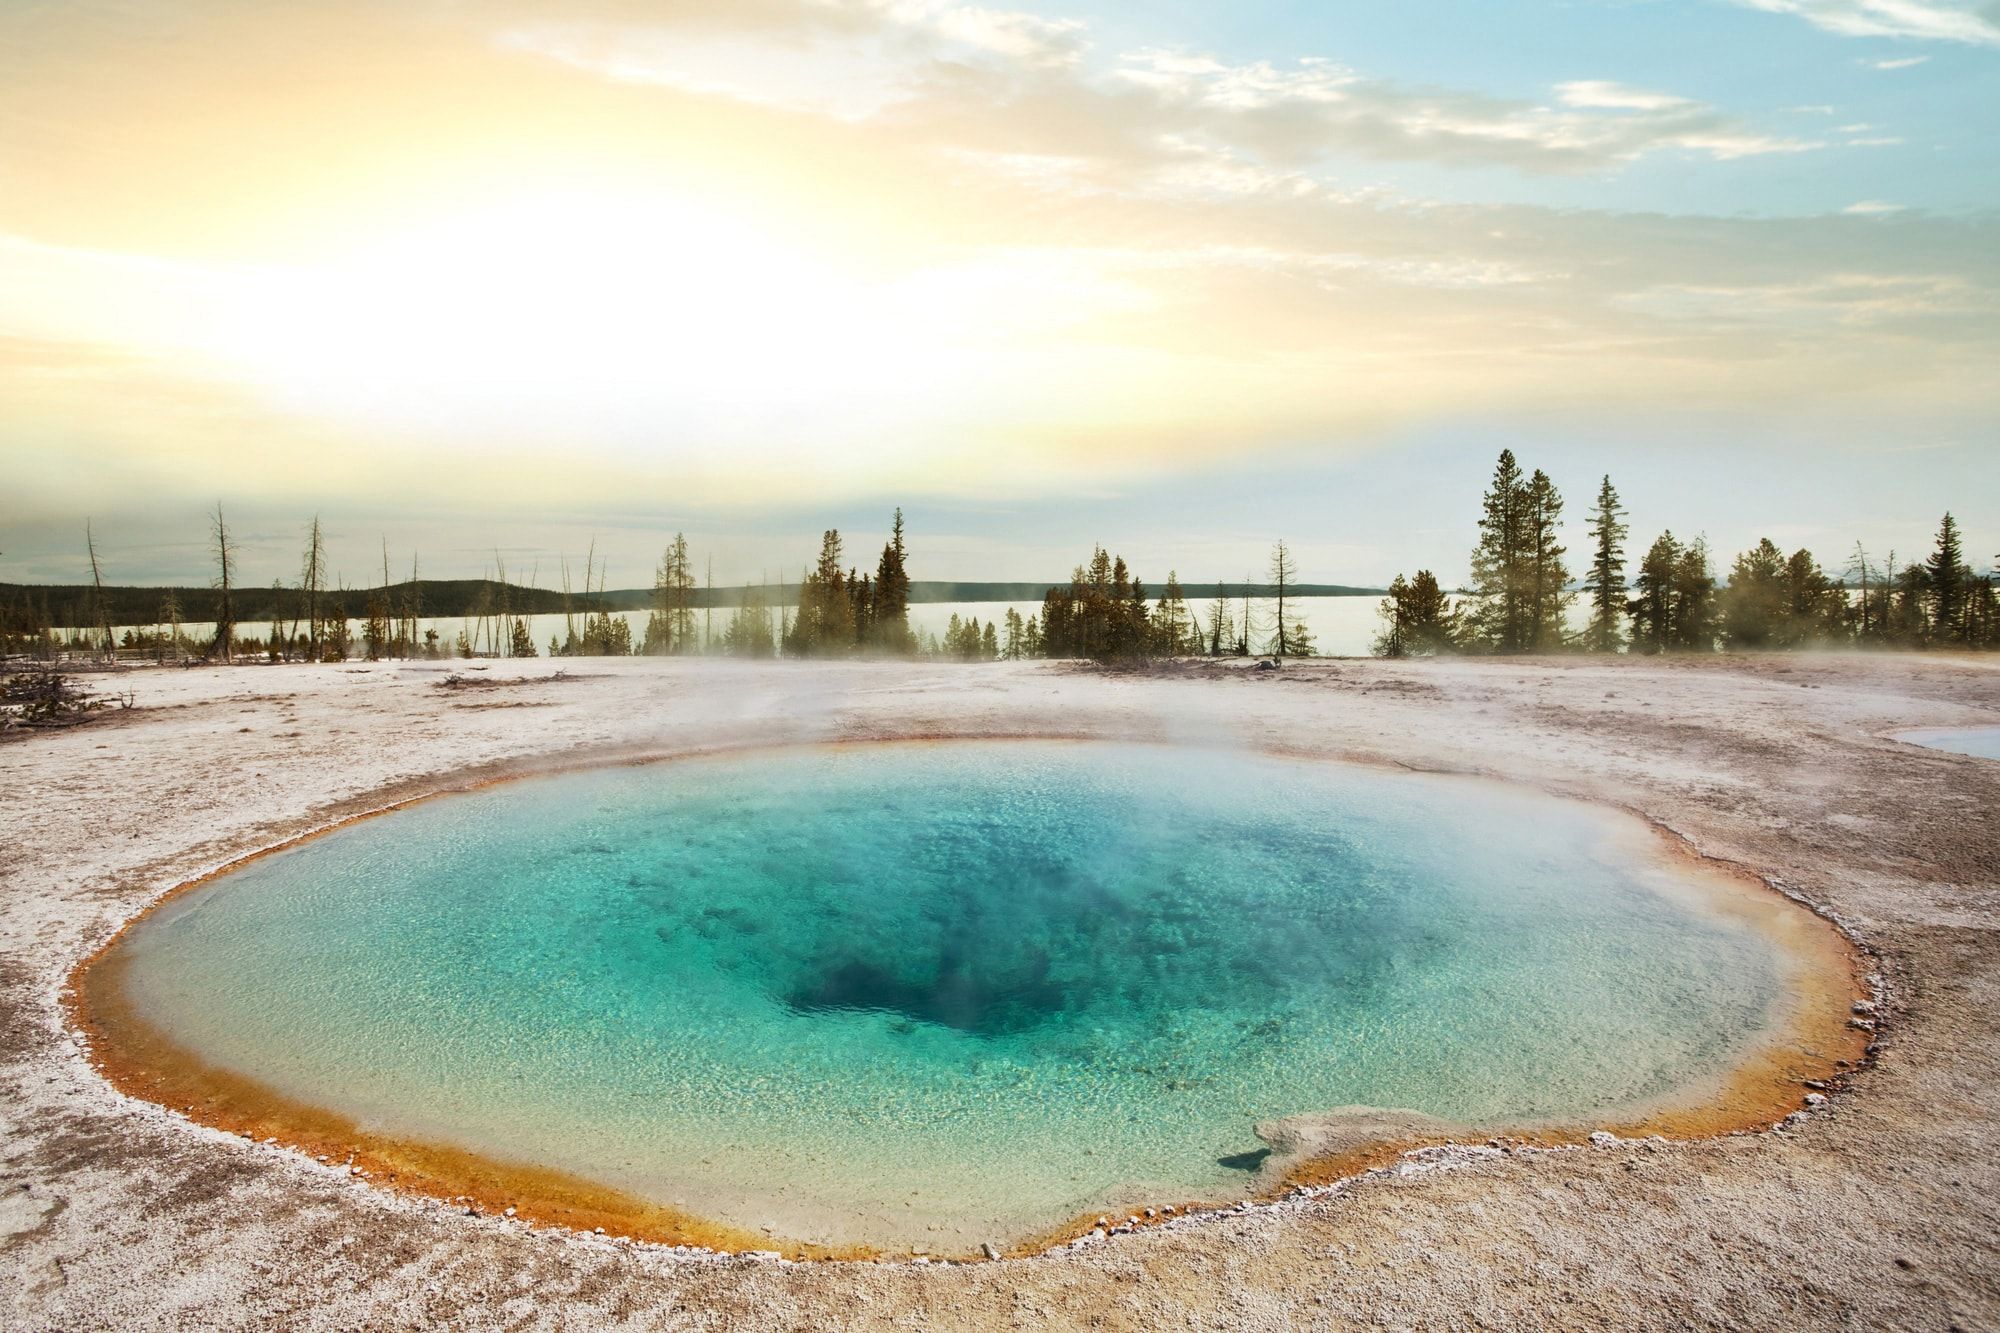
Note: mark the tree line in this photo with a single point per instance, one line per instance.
(1519, 599)
(1520, 594)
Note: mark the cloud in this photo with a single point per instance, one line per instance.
(1311, 108)
(1868, 208)
(1021, 36)
(1904, 62)
(1926, 20)
(1599, 95)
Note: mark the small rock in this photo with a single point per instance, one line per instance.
(1905, 1263)
(1603, 1138)
(1865, 1024)
(510, 1210)
(989, 1251)
(1815, 1099)
(1864, 1006)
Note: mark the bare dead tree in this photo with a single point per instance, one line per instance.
(225, 560)
(312, 579)
(100, 619)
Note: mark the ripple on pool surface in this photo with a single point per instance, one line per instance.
(934, 994)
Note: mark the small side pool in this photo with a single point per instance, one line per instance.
(1979, 742)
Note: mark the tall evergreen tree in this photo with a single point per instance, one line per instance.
(1500, 578)
(1605, 583)
(1172, 624)
(824, 625)
(1548, 577)
(1694, 610)
(1651, 607)
(1816, 610)
(1946, 575)
(891, 615)
(1858, 570)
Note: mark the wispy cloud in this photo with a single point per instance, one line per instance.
(1927, 20)
(1867, 208)
(1901, 62)
(1597, 94)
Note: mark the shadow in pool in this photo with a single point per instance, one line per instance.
(953, 994)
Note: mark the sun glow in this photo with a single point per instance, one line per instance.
(575, 302)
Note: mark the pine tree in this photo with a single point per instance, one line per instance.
(680, 596)
(1946, 575)
(1418, 618)
(1548, 579)
(1857, 568)
(1500, 577)
(750, 632)
(824, 625)
(1694, 612)
(1605, 584)
(1754, 604)
(1816, 611)
(890, 617)
(1220, 632)
(1283, 575)
(1652, 606)
(1173, 626)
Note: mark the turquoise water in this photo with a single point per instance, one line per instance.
(1979, 742)
(934, 994)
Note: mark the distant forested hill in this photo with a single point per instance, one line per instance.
(68, 606)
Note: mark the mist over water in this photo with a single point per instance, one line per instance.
(933, 994)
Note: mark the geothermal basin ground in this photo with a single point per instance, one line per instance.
(1871, 1204)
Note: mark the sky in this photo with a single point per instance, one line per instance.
(510, 281)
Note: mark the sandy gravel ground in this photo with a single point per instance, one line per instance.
(1879, 1210)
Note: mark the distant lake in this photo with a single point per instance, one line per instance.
(1340, 626)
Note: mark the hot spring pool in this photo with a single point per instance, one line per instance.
(933, 994)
